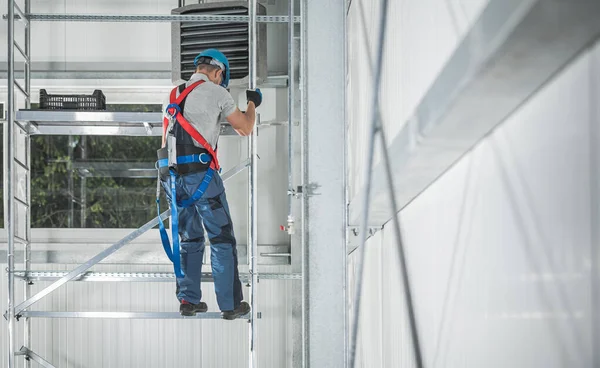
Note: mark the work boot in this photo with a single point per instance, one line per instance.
(241, 310)
(188, 309)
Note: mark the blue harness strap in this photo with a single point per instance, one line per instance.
(200, 191)
(198, 158)
(174, 112)
(174, 253)
(176, 259)
(163, 233)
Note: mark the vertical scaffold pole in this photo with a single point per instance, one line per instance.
(252, 189)
(9, 212)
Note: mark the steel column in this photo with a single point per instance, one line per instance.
(297, 240)
(303, 183)
(325, 184)
(291, 85)
(252, 188)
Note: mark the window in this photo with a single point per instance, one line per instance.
(94, 181)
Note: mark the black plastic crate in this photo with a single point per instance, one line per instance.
(95, 101)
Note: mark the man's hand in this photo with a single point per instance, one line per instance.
(254, 96)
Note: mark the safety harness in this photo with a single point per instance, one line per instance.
(174, 158)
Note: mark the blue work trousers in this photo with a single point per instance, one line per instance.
(212, 211)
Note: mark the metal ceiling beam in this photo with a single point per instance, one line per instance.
(512, 50)
(198, 18)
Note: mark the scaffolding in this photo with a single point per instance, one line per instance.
(27, 122)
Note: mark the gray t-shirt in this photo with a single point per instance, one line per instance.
(206, 106)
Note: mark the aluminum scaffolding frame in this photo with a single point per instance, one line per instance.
(136, 124)
(14, 204)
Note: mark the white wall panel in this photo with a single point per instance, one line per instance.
(150, 343)
(421, 36)
(102, 42)
(144, 42)
(500, 248)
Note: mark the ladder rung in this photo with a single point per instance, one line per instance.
(21, 240)
(122, 315)
(139, 276)
(18, 162)
(21, 202)
(21, 89)
(21, 51)
(22, 15)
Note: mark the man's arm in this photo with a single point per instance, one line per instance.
(243, 122)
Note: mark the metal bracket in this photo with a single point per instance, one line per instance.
(36, 358)
(296, 193)
(5, 17)
(354, 230)
(353, 238)
(311, 189)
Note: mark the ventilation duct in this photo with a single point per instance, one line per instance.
(190, 38)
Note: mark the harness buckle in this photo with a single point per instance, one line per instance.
(172, 107)
(172, 151)
(204, 158)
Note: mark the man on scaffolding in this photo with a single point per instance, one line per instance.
(189, 174)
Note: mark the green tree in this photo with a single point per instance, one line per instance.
(110, 202)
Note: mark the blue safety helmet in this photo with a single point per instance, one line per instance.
(217, 58)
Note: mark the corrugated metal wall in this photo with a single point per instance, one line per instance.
(421, 36)
(503, 249)
(150, 343)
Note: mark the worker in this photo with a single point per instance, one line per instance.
(189, 174)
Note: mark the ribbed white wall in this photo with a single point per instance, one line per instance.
(150, 343)
(420, 38)
(121, 41)
(116, 46)
(503, 249)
